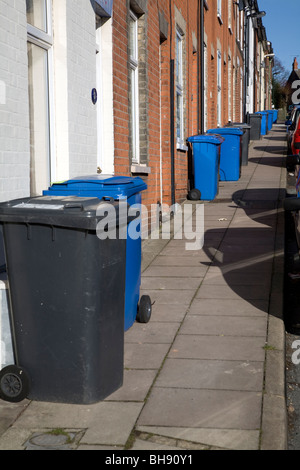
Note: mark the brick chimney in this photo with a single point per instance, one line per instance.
(295, 64)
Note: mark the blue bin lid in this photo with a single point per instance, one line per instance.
(203, 138)
(262, 112)
(106, 185)
(226, 131)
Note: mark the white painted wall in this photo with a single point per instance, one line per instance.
(14, 114)
(75, 130)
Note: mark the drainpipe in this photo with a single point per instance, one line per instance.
(172, 129)
(160, 132)
(200, 68)
(246, 59)
(202, 63)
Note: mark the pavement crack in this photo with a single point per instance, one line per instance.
(173, 442)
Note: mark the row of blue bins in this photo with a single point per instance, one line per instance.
(217, 155)
(269, 117)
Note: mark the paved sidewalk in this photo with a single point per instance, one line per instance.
(207, 372)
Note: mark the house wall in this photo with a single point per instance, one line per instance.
(14, 114)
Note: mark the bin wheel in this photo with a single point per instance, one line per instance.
(14, 384)
(144, 309)
(194, 195)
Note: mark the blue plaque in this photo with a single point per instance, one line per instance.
(94, 96)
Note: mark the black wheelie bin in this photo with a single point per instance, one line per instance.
(255, 122)
(67, 290)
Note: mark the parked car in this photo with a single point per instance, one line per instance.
(292, 203)
(295, 138)
(291, 125)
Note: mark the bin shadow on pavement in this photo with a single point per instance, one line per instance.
(273, 137)
(266, 161)
(270, 149)
(244, 259)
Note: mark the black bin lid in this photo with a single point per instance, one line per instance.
(71, 211)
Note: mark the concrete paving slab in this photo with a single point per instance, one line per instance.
(255, 264)
(197, 271)
(211, 374)
(152, 332)
(105, 422)
(172, 251)
(231, 439)
(218, 347)
(136, 385)
(235, 277)
(141, 444)
(170, 296)
(9, 412)
(202, 408)
(165, 283)
(165, 313)
(144, 356)
(208, 291)
(224, 325)
(232, 307)
(15, 438)
(169, 263)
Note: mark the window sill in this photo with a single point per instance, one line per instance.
(181, 146)
(219, 18)
(138, 168)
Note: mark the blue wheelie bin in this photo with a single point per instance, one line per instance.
(264, 122)
(117, 188)
(275, 115)
(270, 119)
(231, 152)
(245, 139)
(206, 162)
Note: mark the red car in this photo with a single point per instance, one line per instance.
(295, 144)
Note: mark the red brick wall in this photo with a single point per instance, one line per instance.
(120, 88)
(159, 56)
(218, 33)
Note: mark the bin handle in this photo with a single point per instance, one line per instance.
(107, 198)
(74, 205)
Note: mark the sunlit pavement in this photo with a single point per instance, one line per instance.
(207, 371)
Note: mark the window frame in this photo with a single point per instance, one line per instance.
(229, 91)
(219, 11)
(134, 84)
(44, 40)
(230, 16)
